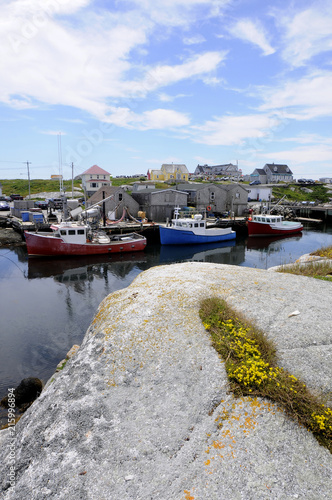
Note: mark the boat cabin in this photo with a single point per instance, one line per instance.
(70, 233)
(196, 222)
(270, 219)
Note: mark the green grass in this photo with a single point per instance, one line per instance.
(316, 269)
(21, 186)
(251, 365)
(324, 252)
(319, 193)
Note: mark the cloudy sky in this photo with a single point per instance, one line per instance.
(129, 85)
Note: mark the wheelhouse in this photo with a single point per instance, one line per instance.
(270, 219)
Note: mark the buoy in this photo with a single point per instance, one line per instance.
(208, 208)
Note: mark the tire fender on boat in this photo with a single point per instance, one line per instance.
(208, 208)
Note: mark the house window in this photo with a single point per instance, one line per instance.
(237, 195)
(97, 176)
(94, 184)
(120, 196)
(212, 195)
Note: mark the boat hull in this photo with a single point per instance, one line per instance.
(41, 245)
(284, 229)
(171, 236)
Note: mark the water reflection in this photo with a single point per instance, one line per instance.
(270, 243)
(209, 252)
(72, 271)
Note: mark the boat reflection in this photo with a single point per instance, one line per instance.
(271, 243)
(227, 252)
(85, 268)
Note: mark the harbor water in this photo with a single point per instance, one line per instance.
(47, 304)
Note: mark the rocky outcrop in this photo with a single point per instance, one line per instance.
(143, 409)
(8, 237)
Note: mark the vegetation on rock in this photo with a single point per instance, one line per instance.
(250, 362)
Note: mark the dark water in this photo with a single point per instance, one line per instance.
(47, 305)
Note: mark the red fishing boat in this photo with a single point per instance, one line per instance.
(272, 225)
(77, 238)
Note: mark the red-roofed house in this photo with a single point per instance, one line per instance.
(94, 178)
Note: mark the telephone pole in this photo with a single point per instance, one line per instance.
(72, 180)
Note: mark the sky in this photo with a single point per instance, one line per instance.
(131, 84)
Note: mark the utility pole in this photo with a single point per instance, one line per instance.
(72, 180)
(28, 163)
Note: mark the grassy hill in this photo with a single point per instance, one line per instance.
(293, 192)
(21, 186)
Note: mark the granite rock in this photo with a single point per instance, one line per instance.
(143, 410)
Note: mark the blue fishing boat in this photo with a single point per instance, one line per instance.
(186, 231)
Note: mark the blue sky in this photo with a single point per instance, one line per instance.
(129, 85)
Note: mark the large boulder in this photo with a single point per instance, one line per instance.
(144, 410)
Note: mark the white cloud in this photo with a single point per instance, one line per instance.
(170, 98)
(86, 61)
(197, 66)
(156, 119)
(194, 40)
(303, 99)
(231, 130)
(163, 118)
(179, 12)
(306, 33)
(304, 154)
(252, 32)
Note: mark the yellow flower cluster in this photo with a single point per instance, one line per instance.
(241, 349)
(324, 421)
(252, 369)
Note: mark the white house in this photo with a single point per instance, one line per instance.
(260, 192)
(272, 173)
(94, 178)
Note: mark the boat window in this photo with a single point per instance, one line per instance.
(268, 219)
(196, 224)
(273, 220)
(71, 231)
(63, 232)
(202, 224)
(80, 231)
